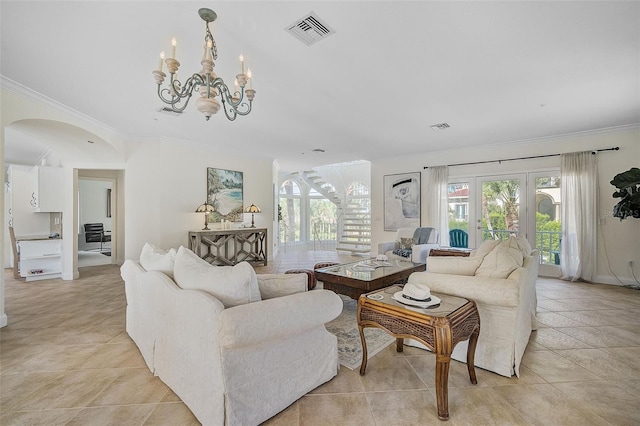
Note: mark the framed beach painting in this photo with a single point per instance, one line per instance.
(224, 193)
(401, 201)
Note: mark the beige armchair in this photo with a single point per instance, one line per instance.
(419, 252)
(501, 278)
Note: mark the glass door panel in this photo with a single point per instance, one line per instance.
(546, 219)
(502, 207)
(290, 224)
(458, 196)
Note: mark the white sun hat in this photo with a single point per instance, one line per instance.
(416, 295)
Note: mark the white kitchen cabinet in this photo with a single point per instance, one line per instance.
(40, 259)
(48, 194)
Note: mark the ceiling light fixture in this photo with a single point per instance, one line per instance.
(206, 82)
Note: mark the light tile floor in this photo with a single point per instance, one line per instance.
(66, 359)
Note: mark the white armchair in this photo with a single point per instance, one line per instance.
(419, 252)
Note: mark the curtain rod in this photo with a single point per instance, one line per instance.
(616, 148)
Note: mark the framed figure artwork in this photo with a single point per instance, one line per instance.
(401, 201)
(224, 193)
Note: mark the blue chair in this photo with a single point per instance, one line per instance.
(458, 238)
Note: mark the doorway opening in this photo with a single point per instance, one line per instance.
(96, 221)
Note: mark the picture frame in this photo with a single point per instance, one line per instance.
(225, 194)
(401, 201)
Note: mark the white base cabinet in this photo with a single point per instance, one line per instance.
(40, 259)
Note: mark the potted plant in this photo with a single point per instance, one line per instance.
(628, 184)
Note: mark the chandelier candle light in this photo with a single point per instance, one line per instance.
(206, 83)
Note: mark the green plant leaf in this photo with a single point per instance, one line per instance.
(628, 184)
(630, 178)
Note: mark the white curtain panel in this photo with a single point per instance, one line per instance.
(579, 216)
(437, 194)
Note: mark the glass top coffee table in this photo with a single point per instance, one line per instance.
(439, 328)
(356, 278)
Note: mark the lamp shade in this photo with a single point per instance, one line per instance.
(252, 209)
(204, 208)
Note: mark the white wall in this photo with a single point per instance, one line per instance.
(165, 183)
(617, 241)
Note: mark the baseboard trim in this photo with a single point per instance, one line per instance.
(3, 320)
(611, 280)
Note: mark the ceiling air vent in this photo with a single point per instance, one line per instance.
(167, 110)
(439, 126)
(310, 29)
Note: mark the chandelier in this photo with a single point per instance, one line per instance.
(206, 83)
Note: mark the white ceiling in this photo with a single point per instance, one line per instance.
(496, 72)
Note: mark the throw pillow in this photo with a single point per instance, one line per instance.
(155, 259)
(278, 285)
(500, 262)
(485, 248)
(453, 265)
(406, 243)
(232, 285)
(518, 243)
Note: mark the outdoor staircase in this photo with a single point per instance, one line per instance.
(356, 230)
(314, 180)
(354, 221)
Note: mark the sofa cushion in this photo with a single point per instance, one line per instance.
(155, 259)
(278, 285)
(500, 262)
(454, 265)
(232, 285)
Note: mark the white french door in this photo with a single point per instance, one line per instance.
(500, 207)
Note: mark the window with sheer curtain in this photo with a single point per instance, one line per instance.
(437, 198)
(579, 216)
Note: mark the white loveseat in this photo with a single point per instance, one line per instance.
(502, 283)
(235, 365)
(419, 252)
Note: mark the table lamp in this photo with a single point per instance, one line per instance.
(252, 209)
(205, 208)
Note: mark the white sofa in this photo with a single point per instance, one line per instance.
(419, 252)
(238, 365)
(505, 295)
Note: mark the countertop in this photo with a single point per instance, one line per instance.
(35, 238)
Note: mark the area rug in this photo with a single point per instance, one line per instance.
(345, 327)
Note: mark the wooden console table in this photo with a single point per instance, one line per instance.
(230, 246)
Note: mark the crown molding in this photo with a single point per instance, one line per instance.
(558, 137)
(22, 90)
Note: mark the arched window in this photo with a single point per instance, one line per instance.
(289, 187)
(546, 205)
(357, 190)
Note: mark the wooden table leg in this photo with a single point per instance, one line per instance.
(442, 385)
(363, 366)
(471, 352)
(399, 344)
